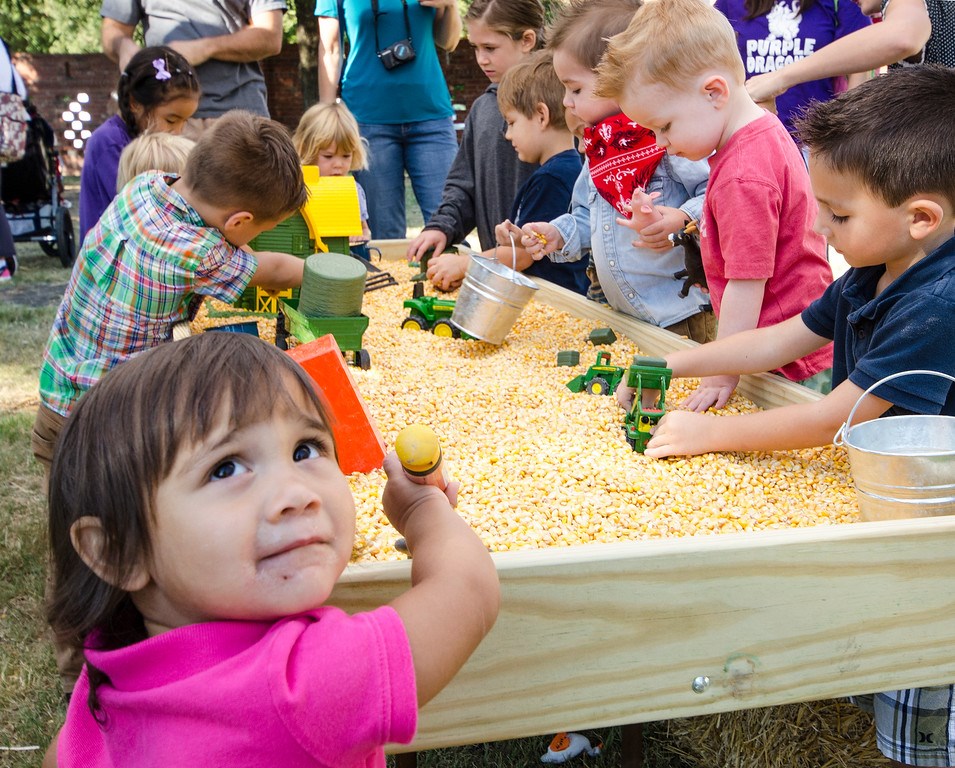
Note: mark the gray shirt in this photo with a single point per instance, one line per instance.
(225, 85)
(484, 178)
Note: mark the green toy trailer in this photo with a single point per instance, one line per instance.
(348, 332)
(429, 313)
(601, 378)
(645, 374)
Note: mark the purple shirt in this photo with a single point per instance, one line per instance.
(319, 689)
(782, 36)
(100, 165)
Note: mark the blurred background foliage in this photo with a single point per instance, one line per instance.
(72, 26)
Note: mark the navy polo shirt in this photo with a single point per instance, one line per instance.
(909, 326)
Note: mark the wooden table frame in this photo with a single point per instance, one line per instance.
(607, 634)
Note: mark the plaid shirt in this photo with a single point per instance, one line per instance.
(137, 273)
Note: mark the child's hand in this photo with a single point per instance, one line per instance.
(625, 396)
(429, 238)
(714, 391)
(540, 238)
(402, 496)
(656, 235)
(446, 271)
(680, 433)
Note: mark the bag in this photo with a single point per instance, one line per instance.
(13, 119)
(13, 127)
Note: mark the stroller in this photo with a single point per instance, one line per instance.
(32, 192)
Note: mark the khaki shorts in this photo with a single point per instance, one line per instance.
(700, 327)
(46, 430)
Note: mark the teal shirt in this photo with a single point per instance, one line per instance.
(412, 92)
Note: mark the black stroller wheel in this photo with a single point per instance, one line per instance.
(65, 237)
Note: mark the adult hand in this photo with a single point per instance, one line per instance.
(765, 87)
(540, 238)
(196, 52)
(429, 238)
(714, 391)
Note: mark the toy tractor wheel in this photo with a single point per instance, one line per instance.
(415, 323)
(598, 386)
(632, 443)
(363, 359)
(444, 329)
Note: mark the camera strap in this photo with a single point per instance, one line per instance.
(376, 13)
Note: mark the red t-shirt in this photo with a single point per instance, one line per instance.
(757, 225)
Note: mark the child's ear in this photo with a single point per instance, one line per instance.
(925, 216)
(236, 221)
(89, 542)
(542, 115)
(528, 41)
(716, 89)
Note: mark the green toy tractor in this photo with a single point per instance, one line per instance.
(646, 375)
(601, 378)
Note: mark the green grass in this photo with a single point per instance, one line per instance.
(30, 698)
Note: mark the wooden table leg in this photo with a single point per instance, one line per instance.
(631, 746)
(406, 760)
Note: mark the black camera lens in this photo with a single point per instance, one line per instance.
(402, 51)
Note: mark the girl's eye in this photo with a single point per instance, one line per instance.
(308, 450)
(226, 469)
(839, 219)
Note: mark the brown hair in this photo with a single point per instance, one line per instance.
(121, 441)
(532, 82)
(510, 17)
(145, 81)
(887, 133)
(247, 162)
(581, 27)
(325, 124)
(670, 42)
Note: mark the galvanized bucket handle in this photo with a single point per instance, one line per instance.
(841, 433)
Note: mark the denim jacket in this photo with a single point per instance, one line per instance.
(636, 281)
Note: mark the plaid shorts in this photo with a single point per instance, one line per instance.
(915, 726)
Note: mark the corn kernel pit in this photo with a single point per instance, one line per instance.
(541, 466)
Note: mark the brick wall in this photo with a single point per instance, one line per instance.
(55, 81)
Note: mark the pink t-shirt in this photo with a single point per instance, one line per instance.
(757, 225)
(319, 689)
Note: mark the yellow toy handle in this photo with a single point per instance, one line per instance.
(419, 452)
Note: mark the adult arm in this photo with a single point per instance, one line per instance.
(259, 40)
(329, 58)
(117, 41)
(447, 23)
(903, 32)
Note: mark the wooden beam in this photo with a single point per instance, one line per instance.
(609, 634)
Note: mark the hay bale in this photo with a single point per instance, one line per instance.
(822, 734)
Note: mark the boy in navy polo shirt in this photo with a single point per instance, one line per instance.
(883, 172)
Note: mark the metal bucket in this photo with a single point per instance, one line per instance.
(902, 466)
(491, 298)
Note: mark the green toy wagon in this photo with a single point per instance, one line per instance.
(347, 331)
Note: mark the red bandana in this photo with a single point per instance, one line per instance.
(622, 157)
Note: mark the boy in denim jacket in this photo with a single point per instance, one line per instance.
(637, 277)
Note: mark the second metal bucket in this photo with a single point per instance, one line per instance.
(902, 466)
(491, 298)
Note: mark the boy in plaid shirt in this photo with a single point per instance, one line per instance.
(163, 243)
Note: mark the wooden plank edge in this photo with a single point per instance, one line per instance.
(606, 634)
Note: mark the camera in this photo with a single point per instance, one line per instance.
(396, 54)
